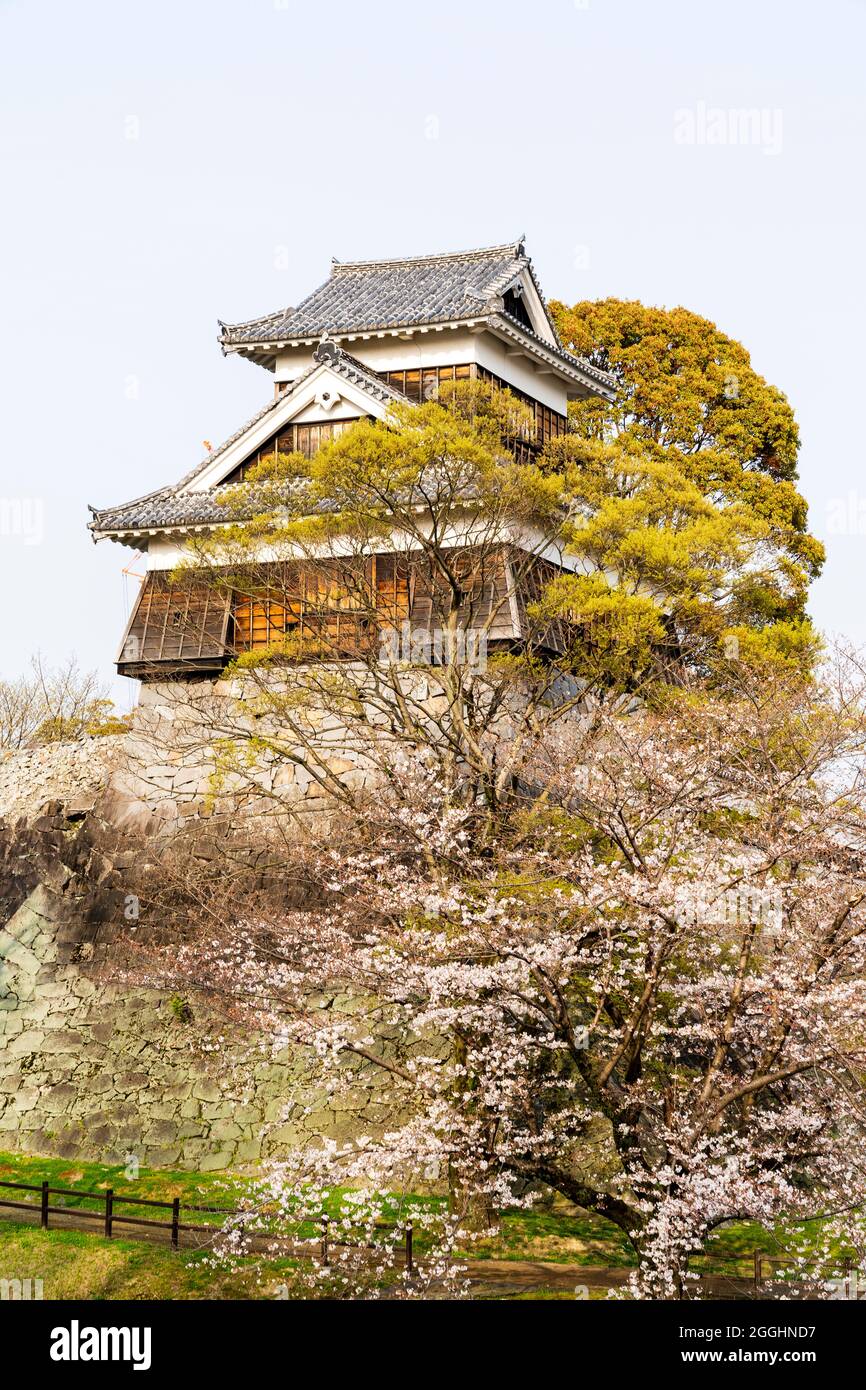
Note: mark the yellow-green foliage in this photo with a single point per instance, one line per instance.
(682, 384)
(684, 485)
(447, 450)
(97, 720)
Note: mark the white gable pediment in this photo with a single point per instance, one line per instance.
(322, 395)
(524, 286)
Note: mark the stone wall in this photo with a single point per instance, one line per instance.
(90, 1066)
(74, 773)
(89, 1069)
(199, 749)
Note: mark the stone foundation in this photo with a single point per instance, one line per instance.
(74, 774)
(200, 749)
(90, 1067)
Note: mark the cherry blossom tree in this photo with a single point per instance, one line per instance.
(646, 991)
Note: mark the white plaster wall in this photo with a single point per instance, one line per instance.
(438, 348)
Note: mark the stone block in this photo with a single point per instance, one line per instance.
(206, 1090)
(61, 1040)
(249, 1152)
(225, 1130)
(167, 1157)
(30, 1041)
(215, 1161)
(59, 1098)
(190, 1129)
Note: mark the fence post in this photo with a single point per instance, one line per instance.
(757, 1269)
(109, 1211)
(409, 1264)
(44, 1208)
(325, 1256)
(175, 1223)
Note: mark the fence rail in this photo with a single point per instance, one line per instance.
(109, 1200)
(762, 1265)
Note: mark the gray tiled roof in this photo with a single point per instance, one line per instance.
(164, 508)
(374, 296)
(169, 506)
(362, 296)
(368, 295)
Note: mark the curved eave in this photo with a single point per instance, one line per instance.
(264, 351)
(570, 368)
(138, 536)
(179, 531)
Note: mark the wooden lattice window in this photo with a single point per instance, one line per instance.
(310, 438)
(292, 439)
(548, 424)
(341, 608)
(422, 384)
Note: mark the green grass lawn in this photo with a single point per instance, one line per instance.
(564, 1236)
(72, 1264)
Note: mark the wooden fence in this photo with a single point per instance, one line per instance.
(108, 1217)
(762, 1268)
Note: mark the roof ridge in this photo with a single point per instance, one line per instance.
(517, 247)
(396, 291)
(258, 318)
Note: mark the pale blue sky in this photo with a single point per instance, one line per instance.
(271, 136)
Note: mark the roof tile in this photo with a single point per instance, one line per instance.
(369, 295)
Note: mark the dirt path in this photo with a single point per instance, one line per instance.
(510, 1277)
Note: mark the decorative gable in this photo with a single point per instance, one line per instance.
(523, 303)
(319, 406)
(335, 389)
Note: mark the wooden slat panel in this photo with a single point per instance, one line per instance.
(171, 623)
(531, 578)
(175, 625)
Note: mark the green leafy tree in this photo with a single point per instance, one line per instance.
(682, 487)
(691, 561)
